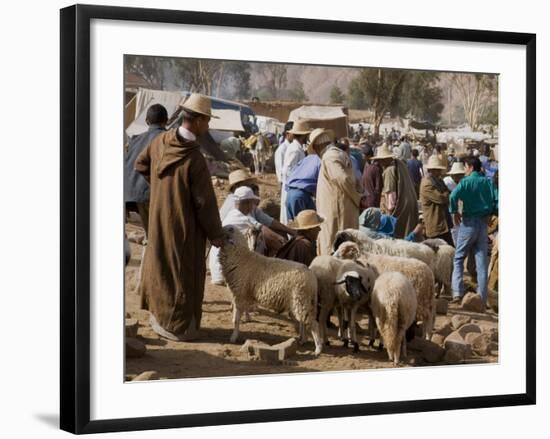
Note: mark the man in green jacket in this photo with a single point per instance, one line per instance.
(479, 201)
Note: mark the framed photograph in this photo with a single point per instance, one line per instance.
(278, 218)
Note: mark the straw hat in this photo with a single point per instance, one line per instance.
(320, 135)
(197, 103)
(383, 152)
(245, 193)
(300, 128)
(435, 163)
(307, 219)
(457, 168)
(239, 176)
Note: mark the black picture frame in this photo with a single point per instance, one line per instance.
(75, 217)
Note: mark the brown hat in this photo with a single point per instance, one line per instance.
(307, 219)
(239, 176)
(197, 103)
(435, 163)
(383, 152)
(300, 128)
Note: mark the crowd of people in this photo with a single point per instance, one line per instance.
(396, 189)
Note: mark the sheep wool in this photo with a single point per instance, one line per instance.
(393, 305)
(417, 272)
(272, 283)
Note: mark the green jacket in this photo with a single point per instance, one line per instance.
(478, 195)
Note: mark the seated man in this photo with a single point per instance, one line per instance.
(302, 247)
(375, 224)
(273, 231)
(239, 217)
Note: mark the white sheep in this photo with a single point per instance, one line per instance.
(272, 283)
(418, 273)
(392, 247)
(330, 270)
(393, 305)
(443, 267)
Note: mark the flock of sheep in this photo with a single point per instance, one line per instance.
(395, 282)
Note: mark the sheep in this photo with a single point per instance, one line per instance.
(393, 305)
(353, 289)
(418, 273)
(391, 247)
(443, 268)
(272, 283)
(328, 271)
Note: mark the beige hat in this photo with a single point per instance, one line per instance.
(197, 103)
(457, 168)
(435, 163)
(383, 152)
(320, 135)
(307, 219)
(239, 176)
(300, 128)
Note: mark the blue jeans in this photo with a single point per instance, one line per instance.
(472, 234)
(298, 200)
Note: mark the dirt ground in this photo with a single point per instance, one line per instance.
(212, 355)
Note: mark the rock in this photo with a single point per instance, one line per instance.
(467, 328)
(454, 336)
(480, 344)
(136, 236)
(131, 327)
(470, 337)
(147, 376)
(456, 351)
(431, 352)
(438, 339)
(134, 348)
(441, 305)
(271, 354)
(473, 302)
(492, 299)
(493, 332)
(127, 315)
(458, 320)
(445, 329)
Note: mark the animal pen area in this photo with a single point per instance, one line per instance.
(214, 356)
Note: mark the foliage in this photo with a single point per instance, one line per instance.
(297, 92)
(477, 93)
(336, 95)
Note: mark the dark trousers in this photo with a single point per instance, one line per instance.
(298, 200)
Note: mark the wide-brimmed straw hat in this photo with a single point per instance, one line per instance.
(320, 135)
(435, 163)
(197, 103)
(307, 219)
(457, 168)
(300, 128)
(383, 152)
(239, 176)
(245, 193)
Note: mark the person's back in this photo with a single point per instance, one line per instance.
(415, 167)
(478, 196)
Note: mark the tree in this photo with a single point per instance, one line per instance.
(379, 89)
(421, 97)
(149, 68)
(336, 95)
(297, 92)
(200, 76)
(275, 75)
(477, 92)
(238, 74)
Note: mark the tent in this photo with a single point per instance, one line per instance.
(318, 116)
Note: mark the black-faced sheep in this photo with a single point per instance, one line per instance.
(272, 283)
(417, 272)
(393, 305)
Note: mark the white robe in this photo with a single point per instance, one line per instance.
(294, 154)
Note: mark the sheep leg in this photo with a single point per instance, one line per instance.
(345, 327)
(372, 329)
(353, 330)
(316, 337)
(323, 314)
(302, 333)
(236, 321)
(340, 315)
